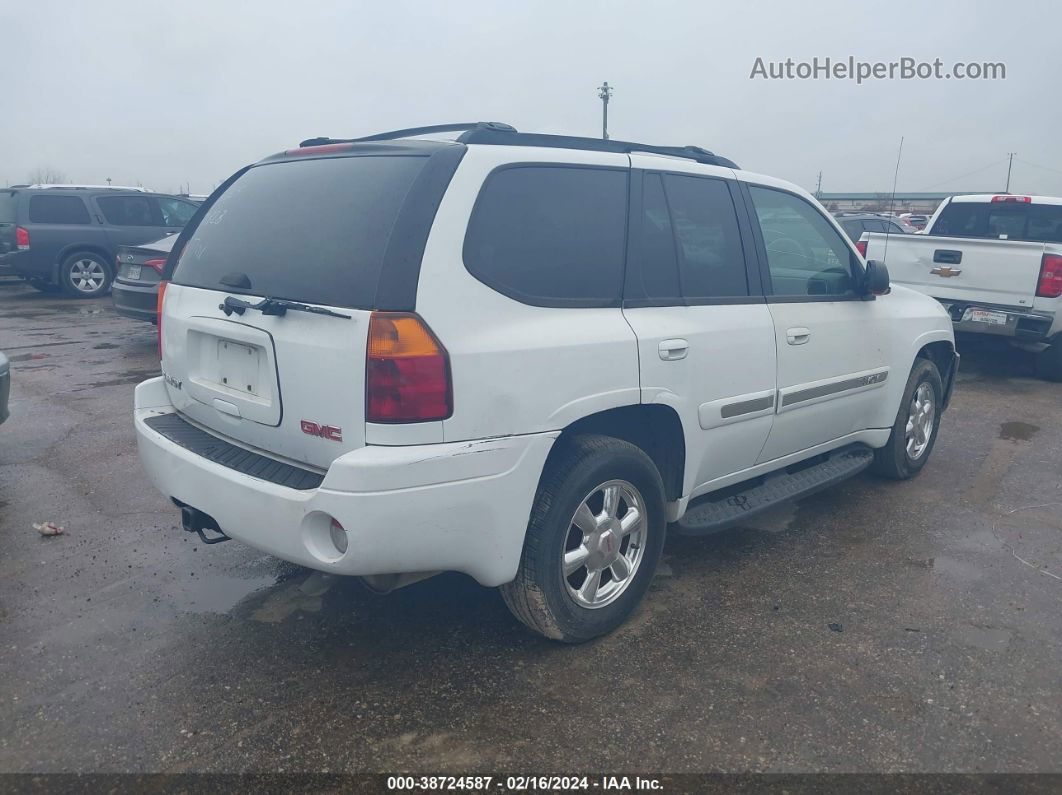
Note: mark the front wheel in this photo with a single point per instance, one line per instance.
(594, 540)
(85, 275)
(917, 422)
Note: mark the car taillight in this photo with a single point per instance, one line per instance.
(21, 238)
(1013, 199)
(1050, 283)
(156, 264)
(862, 246)
(407, 371)
(158, 313)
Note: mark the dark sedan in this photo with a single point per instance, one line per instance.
(136, 287)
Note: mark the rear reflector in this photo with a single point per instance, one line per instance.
(156, 264)
(407, 371)
(21, 238)
(862, 246)
(158, 313)
(1015, 199)
(1050, 284)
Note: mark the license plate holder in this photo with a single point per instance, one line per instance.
(987, 316)
(133, 272)
(238, 366)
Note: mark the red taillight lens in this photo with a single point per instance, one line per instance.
(156, 264)
(1013, 199)
(21, 238)
(407, 372)
(158, 313)
(1050, 284)
(861, 245)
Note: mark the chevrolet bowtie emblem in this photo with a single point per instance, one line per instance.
(946, 271)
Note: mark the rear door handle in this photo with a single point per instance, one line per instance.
(797, 336)
(670, 350)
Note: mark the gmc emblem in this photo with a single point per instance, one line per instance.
(330, 432)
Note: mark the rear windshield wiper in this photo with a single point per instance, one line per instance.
(273, 306)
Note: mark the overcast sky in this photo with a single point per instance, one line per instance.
(168, 93)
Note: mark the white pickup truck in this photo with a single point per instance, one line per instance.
(994, 262)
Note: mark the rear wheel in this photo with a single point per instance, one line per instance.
(1049, 362)
(85, 275)
(594, 540)
(915, 431)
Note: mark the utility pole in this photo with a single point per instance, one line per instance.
(604, 91)
(1010, 163)
(818, 187)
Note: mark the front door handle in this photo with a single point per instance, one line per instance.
(797, 336)
(671, 350)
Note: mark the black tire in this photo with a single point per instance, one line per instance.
(43, 286)
(893, 460)
(539, 596)
(73, 281)
(1049, 362)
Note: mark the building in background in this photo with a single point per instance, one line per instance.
(924, 203)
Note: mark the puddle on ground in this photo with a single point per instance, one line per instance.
(127, 377)
(25, 357)
(216, 593)
(1017, 431)
(104, 346)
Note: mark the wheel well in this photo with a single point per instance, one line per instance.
(78, 248)
(942, 354)
(656, 429)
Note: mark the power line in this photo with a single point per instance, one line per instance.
(1037, 165)
(963, 176)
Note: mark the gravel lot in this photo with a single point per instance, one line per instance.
(875, 627)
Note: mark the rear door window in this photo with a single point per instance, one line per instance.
(306, 230)
(44, 209)
(551, 235)
(129, 210)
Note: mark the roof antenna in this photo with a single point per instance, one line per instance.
(892, 200)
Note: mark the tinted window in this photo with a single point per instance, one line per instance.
(129, 210)
(8, 203)
(656, 247)
(176, 212)
(711, 260)
(854, 229)
(307, 230)
(805, 253)
(548, 235)
(961, 219)
(873, 225)
(1045, 222)
(896, 229)
(58, 210)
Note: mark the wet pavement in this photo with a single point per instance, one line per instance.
(877, 626)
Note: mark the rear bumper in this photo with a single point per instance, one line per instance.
(23, 263)
(1021, 324)
(137, 301)
(460, 506)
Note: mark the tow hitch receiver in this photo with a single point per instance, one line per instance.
(195, 521)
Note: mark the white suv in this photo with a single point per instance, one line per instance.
(522, 357)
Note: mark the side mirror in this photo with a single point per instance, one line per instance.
(876, 279)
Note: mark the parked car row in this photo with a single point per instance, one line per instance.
(67, 237)
(522, 357)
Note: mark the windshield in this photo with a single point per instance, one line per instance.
(306, 230)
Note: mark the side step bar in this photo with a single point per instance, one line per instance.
(713, 512)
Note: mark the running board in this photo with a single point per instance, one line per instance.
(711, 513)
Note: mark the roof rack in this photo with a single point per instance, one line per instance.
(45, 186)
(499, 133)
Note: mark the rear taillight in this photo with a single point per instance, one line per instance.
(158, 313)
(1013, 199)
(1050, 283)
(156, 264)
(21, 238)
(861, 245)
(407, 371)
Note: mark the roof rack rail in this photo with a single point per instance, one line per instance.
(61, 186)
(494, 132)
(411, 131)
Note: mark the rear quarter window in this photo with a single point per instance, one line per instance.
(57, 210)
(551, 235)
(8, 205)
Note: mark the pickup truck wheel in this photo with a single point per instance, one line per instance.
(85, 275)
(594, 540)
(1049, 362)
(915, 430)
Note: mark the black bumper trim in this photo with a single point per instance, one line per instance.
(229, 455)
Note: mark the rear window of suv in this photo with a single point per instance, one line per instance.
(305, 230)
